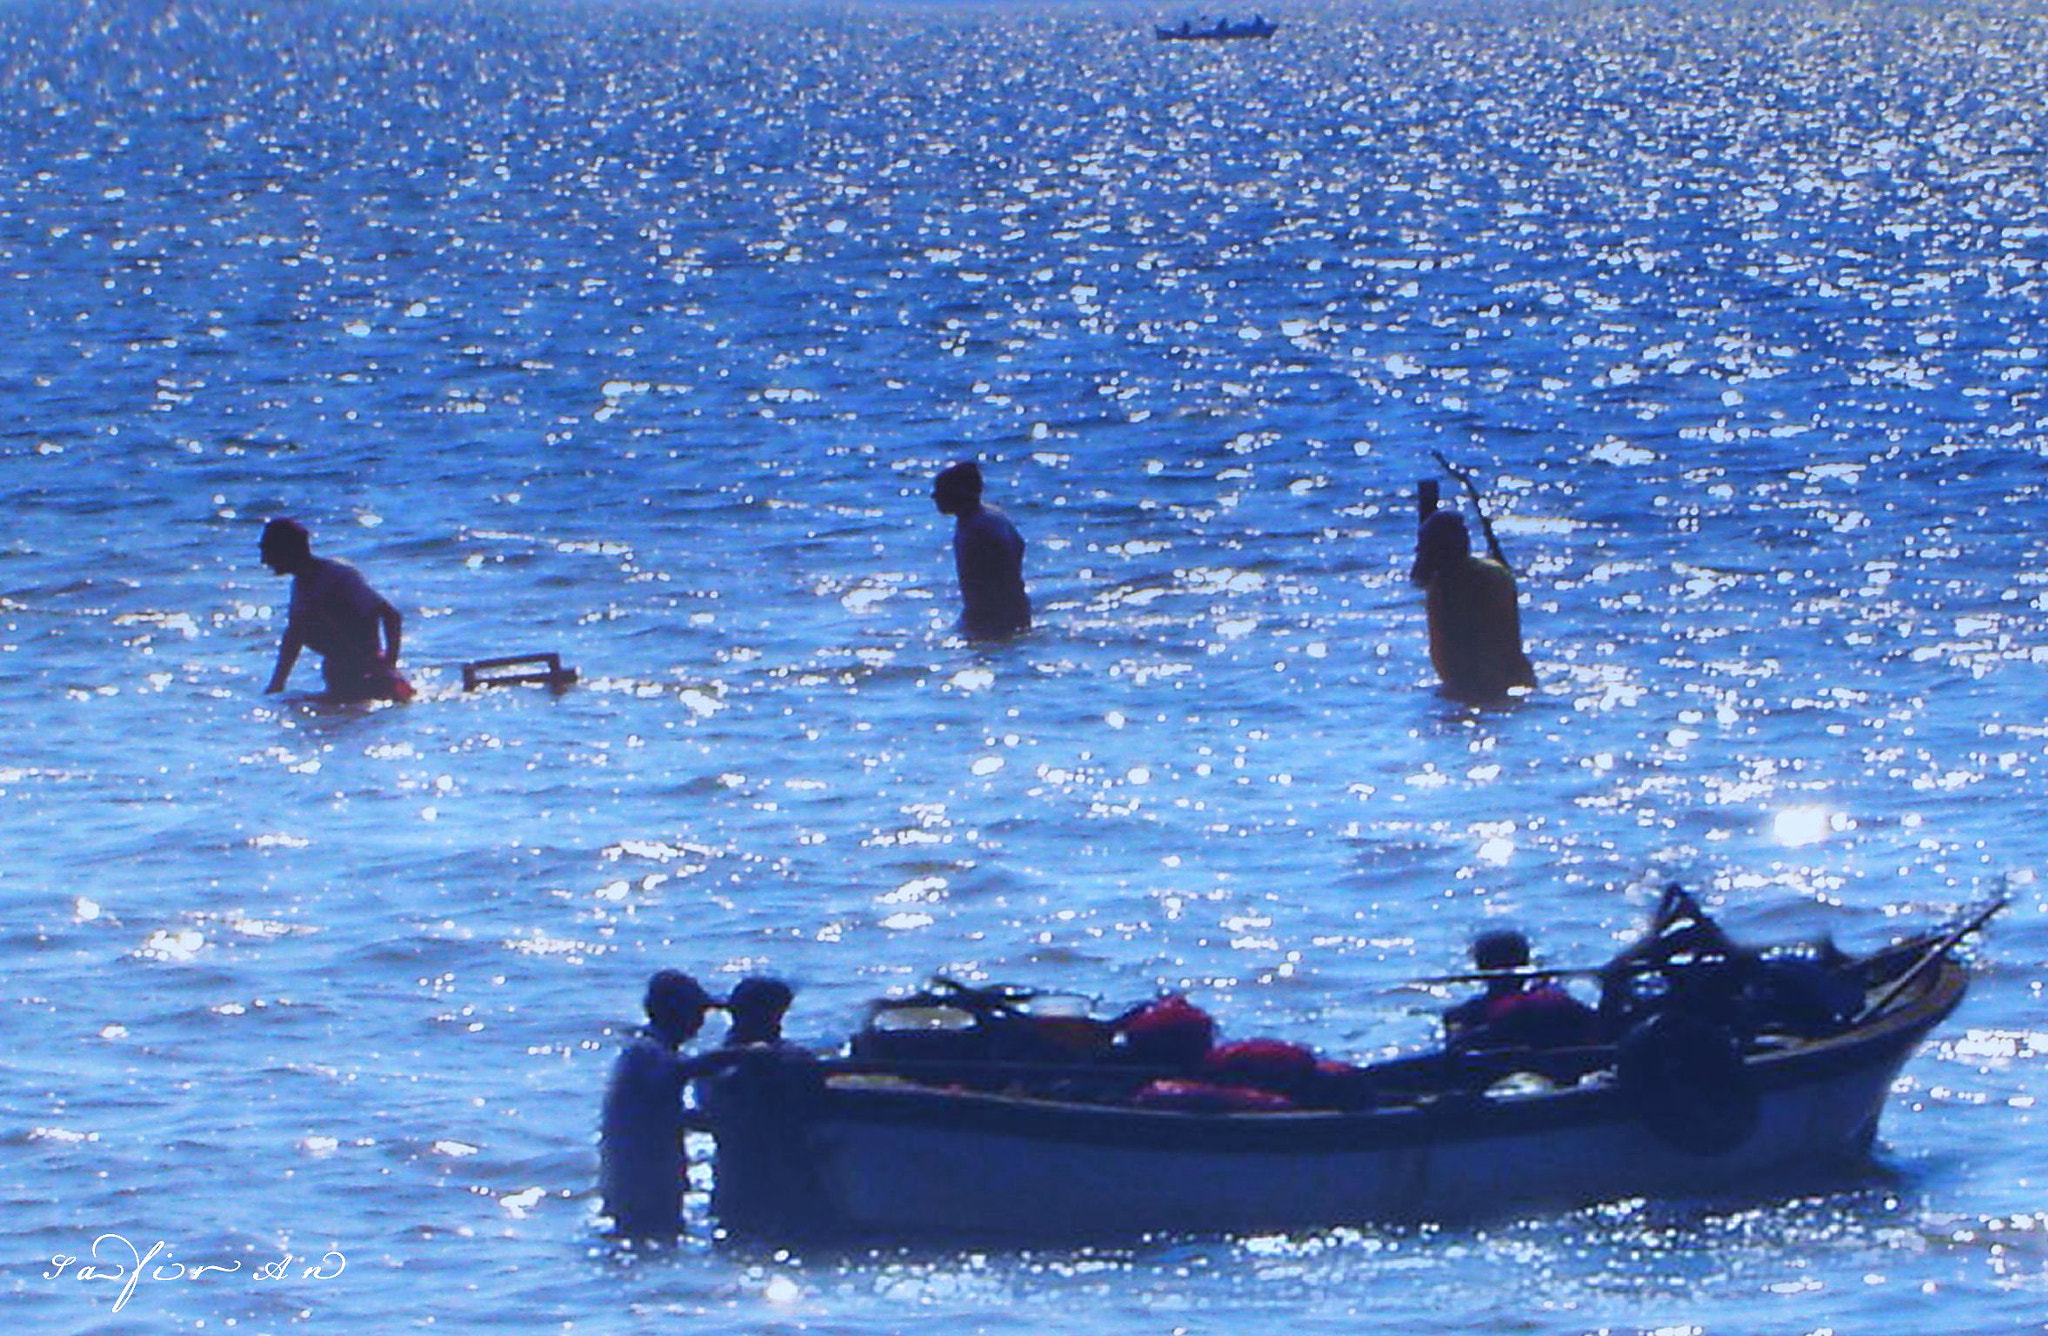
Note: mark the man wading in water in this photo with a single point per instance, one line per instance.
(988, 555)
(335, 613)
(1475, 625)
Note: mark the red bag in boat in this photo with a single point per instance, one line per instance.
(1171, 1031)
(1272, 1064)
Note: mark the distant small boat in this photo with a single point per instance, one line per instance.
(1223, 30)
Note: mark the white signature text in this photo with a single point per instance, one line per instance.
(114, 1260)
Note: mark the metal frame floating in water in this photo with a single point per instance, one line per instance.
(542, 669)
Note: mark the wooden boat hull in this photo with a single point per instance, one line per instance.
(875, 1157)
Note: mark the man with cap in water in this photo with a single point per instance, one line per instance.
(640, 1139)
(335, 613)
(756, 1005)
(765, 1181)
(1475, 623)
(988, 555)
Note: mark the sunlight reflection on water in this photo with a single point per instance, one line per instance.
(637, 332)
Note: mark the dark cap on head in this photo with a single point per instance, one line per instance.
(757, 994)
(1443, 540)
(676, 1001)
(965, 475)
(757, 1004)
(1500, 949)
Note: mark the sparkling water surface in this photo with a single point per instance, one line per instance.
(635, 332)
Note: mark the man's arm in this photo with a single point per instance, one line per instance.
(287, 654)
(394, 630)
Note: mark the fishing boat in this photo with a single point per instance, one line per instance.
(1223, 30)
(921, 1132)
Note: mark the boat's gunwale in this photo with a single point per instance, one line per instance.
(1888, 1038)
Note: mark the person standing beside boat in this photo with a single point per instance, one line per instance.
(763, 1173)
(640, 1136)
(336, 614)
(1475, 621)
(757, 1005)
(988, 556)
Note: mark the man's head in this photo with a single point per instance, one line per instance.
(1500, 949)
(1443, 540)
(756, 1005)
(285, 546)
(957, 489)
(676, 1004)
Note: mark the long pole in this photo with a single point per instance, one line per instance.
(1478, 505)
(1941, 946)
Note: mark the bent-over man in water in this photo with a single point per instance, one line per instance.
(988, 555)
(335, 613)
(1475, 623)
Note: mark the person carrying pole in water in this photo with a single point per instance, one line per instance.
(1475, 619)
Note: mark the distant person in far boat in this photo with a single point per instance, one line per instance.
(1519, 1009)
(1475, 623)
(640, 1138)
(336, 614)
(988, 555)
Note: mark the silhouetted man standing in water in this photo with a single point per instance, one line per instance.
(1475, 623)
(640, 1137)
(335, 613)
(988, 553)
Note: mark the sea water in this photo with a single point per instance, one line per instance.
(635, 332)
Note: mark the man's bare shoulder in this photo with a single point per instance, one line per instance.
(326, 576)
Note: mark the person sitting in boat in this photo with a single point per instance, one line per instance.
(1168, 1031)
(1475, 621)
(640, 1147)
(1519, 1009)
